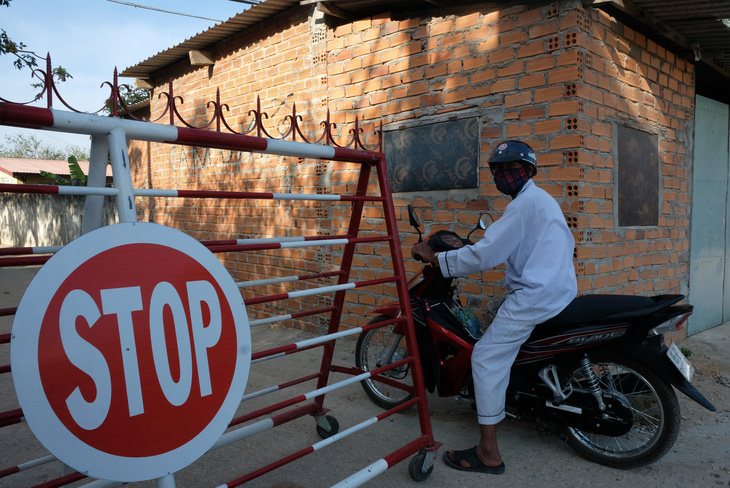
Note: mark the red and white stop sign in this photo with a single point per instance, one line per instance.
(130, 352)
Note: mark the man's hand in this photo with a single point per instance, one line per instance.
(423, 251)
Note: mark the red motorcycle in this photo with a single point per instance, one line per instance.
(599, 371)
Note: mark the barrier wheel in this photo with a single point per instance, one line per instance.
(415, 467)
(334, 427)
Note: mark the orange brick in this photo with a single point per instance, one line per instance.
(442, 28)
(548, 94)
(502, 55)
(532, 81)
(489, 44)
(572, 73)
(541, 63)
(532, 49)
(567, 174)
(567, 107)
(550, 126)
(511, 69)
(532, 113)
(519, 131)
(503, 85)
(512, 38)
(522, 98)
(474, 63)
(478, 91)
(544, 29)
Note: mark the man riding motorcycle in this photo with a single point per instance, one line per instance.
(533, 240)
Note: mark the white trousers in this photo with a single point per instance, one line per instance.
(491, 362)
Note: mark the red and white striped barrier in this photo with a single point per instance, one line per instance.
(80, 123)
(109, 135)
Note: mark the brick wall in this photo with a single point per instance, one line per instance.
(559, 77)
(271, 61)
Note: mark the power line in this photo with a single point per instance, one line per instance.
(161, 10)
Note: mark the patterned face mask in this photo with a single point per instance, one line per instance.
(511, 181)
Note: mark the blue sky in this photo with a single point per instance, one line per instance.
(89, 38)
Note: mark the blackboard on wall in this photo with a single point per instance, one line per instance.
(638, 177)
(440, 156)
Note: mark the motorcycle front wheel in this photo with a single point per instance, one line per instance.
(655, 409)
(371, 351)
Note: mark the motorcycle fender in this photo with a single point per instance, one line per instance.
(391, 309)
(656, 359)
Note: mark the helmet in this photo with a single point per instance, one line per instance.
(508, 151)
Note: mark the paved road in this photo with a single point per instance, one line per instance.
(534, 458)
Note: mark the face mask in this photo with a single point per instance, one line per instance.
(510, 181)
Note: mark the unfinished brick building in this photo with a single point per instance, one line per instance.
(610, 109)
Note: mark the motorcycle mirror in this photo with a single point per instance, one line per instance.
(413, 219)
(485, 220)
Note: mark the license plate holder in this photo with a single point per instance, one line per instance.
(680, 362)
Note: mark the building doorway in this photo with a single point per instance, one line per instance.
(709, 285)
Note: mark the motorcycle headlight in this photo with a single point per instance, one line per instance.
(675, 323)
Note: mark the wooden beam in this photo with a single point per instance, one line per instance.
(201, 58)
(329, 9)
(144, 84)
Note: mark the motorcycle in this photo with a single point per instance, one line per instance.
(599, 371)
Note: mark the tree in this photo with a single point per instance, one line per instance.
(26, 58)
(31, 147)
(130, 96)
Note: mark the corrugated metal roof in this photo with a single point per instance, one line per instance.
(683, 24)
(252, 16)
(12, 166)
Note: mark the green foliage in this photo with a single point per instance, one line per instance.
(25, 58)
(130, 96)
(59, 180)
(80, 153)
(29, 146)
(75, 171)
(78, 178)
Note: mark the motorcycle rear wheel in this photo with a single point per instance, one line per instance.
(371, 347)
(656, 415)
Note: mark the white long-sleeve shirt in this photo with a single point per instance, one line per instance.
(533, 240)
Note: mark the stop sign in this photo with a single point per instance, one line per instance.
(130, 352)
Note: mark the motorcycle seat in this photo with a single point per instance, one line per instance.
(610, 308)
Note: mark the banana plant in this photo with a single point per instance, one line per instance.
(78, 178)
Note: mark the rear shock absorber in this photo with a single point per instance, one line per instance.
(593, 382)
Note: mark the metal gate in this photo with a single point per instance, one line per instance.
(710, 236)
(109, 139)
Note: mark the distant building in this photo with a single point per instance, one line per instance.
(28, 171)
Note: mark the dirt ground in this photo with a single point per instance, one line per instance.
(534, 458)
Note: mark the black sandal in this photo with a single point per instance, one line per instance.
(475, 464)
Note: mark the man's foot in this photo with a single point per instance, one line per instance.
(467, 460)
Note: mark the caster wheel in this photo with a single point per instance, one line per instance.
(415, 467)
(334, 428)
